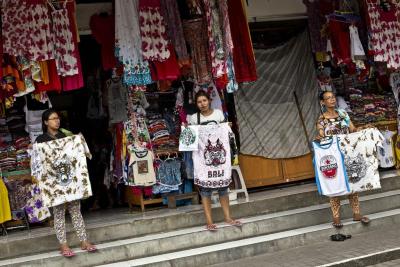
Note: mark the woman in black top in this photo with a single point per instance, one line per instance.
(51, 131)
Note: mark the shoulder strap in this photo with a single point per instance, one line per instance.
(198, 118)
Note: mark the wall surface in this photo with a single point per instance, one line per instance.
(85, 11)
(262, 10)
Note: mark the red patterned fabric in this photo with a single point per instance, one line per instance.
(243, 55)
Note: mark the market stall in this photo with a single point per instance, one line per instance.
(128, 88)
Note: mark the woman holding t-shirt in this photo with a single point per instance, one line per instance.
(335, 121)
(52, 131)
(206, 115)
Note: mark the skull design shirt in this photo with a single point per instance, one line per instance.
(212, 161)
(360, 152)
(60, 168)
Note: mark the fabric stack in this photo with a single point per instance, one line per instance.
(22, 156)
(161, 137)
(7, 158)
(371, 108)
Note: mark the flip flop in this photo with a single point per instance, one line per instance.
(67, 253)
(235, 223)
(364, 220)
(212, 227)
(90, 248)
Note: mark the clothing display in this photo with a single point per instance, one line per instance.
(212, 165)
(385, 32)
(141, 162)
(168, 175)
(243, 55)
(128, 43)
(196, 37)
(67, 62)
(386, 154)
(189, 138)
(170, 12)
(356, 48)
(215, 38)
(153, 31)
(63, 175)
(360, 150)
(117, 100)
(330, 172)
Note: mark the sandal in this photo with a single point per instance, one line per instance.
(90, 248)
(337, 223)
(67, 253)
(212, 227)
(235, 223)
(364, 220)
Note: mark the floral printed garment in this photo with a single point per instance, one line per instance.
(360, 151)
(26, 30)
(62, 173)
(66, 56)
(153, 31)
(128, 44)
(385, 34)
(34, 206)
(215, 38)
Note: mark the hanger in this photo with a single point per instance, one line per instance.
(324, 141)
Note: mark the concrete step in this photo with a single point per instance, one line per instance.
(268, 202)
(188, 238)
(363, 249)
(229, 251)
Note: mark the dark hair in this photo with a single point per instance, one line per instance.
(322, 94)
(201, 93)
(45, 117)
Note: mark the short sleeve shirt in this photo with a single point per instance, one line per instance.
(216, 117)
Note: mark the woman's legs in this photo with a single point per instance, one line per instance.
(59, 228)
(207, 209)
(224, 200)
(335, 207)
(59, 224)
(74, 209)
(355, 206)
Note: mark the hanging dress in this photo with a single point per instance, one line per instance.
(153, 31)
(196, 36)
(128, 43)
(66, 60)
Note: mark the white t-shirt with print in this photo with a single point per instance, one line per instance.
(212, 161)
(216, 116)
(360, 150)
(385, 154)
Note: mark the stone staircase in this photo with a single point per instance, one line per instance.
(274, 220)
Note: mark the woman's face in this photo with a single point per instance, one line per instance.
(329, 100)
(203, 103)
(53, 122)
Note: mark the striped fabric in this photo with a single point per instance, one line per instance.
(269, 121)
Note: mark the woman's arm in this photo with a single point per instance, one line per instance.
(352, 128)
(320, 130)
